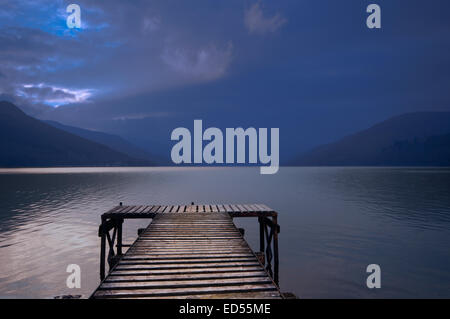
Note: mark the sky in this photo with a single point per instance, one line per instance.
(143, 68)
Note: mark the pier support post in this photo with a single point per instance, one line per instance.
(275, 250)
(106, 226)
(102, 251)
(119, 236)
(261, 234)
(268, 245)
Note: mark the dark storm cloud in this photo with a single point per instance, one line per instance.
(311, 68)
(118, 41)
(46, 92)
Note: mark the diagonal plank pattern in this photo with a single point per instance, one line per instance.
(196, 255)
(247, 210)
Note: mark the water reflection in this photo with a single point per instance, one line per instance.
(418, 196)
(335, 221)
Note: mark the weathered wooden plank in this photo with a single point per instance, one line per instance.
(186, 253)
(166, 284)
(254, 207)
(144, 264)
(155, 208)
(193, 222)
(144, 209)
(191, 238)
(221, 249)
(198, 253)
(139, 209)
(186, 265)
(135, 209)
(264, 208)
(210, 276)
(150, 243)
(158, 235)
(161, 209)
(214, 270)
(190, 248)
(193, 230)
(185, 260)
(242, 209)
(187, 233)
(176, 291)
(223, 295)
(229, 208)
(166, 241)
(121, 209)
(114, 210)
(187, 224)
(186, 248)
(153, 241)
(130, 256)
(248, 208)
(189, 230)
(182, 249)
(128, 209)
(236, 209)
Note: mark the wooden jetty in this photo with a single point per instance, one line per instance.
(189, 251)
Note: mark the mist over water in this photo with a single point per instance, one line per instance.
(334, 222)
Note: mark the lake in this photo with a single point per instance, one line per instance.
(334, 222)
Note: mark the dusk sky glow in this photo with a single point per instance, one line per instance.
(312, 68)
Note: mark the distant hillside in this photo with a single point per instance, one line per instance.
(114, 142)
(26, 141)
(414, 139)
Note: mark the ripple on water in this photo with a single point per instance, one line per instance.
(334, 223)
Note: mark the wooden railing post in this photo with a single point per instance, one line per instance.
(261, 234)
(102, 235)
(275, 250)
(119, 236)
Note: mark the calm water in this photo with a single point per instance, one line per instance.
(334, 222)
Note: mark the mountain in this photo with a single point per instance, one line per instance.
(413, 139)
(26, 141)
(114, 142)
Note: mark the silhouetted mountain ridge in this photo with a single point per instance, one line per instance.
(420, 138)
(9, 109)
(112, 141)
(26, 141)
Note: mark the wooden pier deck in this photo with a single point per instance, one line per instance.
(192, 251)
